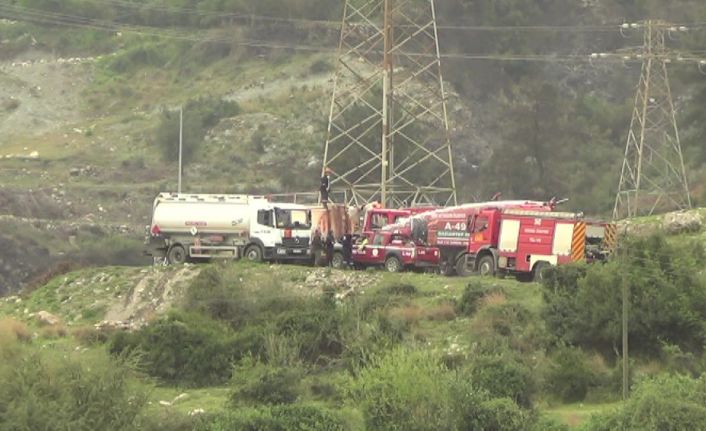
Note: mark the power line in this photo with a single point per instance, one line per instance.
(42, 17)
(332, 23)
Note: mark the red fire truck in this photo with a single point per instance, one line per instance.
(525, 242)
(395, 252)
(447, 228)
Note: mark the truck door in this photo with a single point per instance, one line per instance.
(373, 252)
(480, 232)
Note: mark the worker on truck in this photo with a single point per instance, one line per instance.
(325, 187)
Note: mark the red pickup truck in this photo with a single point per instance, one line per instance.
(394, 252)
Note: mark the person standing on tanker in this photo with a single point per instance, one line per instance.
(330, 243)
(325, 187)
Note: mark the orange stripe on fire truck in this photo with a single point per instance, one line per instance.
(578, 243)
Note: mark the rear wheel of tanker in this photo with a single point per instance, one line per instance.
(253, 253)
(393, 264)
(337, 261)
(462, 267)
(176, 255)
(486, 266)
(538, 273)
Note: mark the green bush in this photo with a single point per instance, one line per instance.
(667, 298)
(317, 326)
(295, 417)
(501, 414)
(404, 390)
(662, 404)
(257, 383)
(42, 391)
(472, 295)
(473, 409)
(183, 348)
(503, 376)
(569, 377)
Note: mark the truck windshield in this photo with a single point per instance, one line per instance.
(293, 218)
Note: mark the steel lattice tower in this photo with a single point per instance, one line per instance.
(388, 132)
(653, 176)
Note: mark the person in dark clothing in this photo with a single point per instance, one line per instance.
(325, 187)
(317, 247)
(330, 243)
(347, 249)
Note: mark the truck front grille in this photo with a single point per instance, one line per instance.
(296, 242)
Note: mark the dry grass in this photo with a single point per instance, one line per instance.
(409, 314)
(443, 313)
(89, 335)
(12, 330)
(55, 331)
(494, 299)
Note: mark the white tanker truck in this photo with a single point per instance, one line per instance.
(186, 226)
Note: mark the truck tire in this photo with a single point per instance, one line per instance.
(486, 266)
(176, 255)
(337, 261)
(253, 253)
(538, 271)
(462, 268)
(393, 264)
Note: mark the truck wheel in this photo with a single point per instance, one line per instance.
(462, 268)
(486, 266)
(176, 255)
(393, 264)
(337, 260)
(538, 271)
(253, 253)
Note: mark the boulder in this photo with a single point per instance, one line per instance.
(46, 318)
(682, 222)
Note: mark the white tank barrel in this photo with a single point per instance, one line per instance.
(205, 214)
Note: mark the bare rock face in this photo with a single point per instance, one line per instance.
(628, 227)
(682, 222)
(46, 318)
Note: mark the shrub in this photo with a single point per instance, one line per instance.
(472, 295)
(182, 348)
(404, 390)
(583, 304)
(296, 417)
(12, 330)
(90, 392)
(317, 326)
(473, 409)
(258, 383)
(665, 403)
(501, 414)
(570, 377)
(503, 376)
(404, 289)
(320, 66)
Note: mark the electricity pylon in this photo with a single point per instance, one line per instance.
(388, 131)
(653, 176)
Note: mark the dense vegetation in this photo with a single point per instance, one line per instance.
(405, 354)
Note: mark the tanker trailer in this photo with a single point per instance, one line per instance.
(190, 227)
